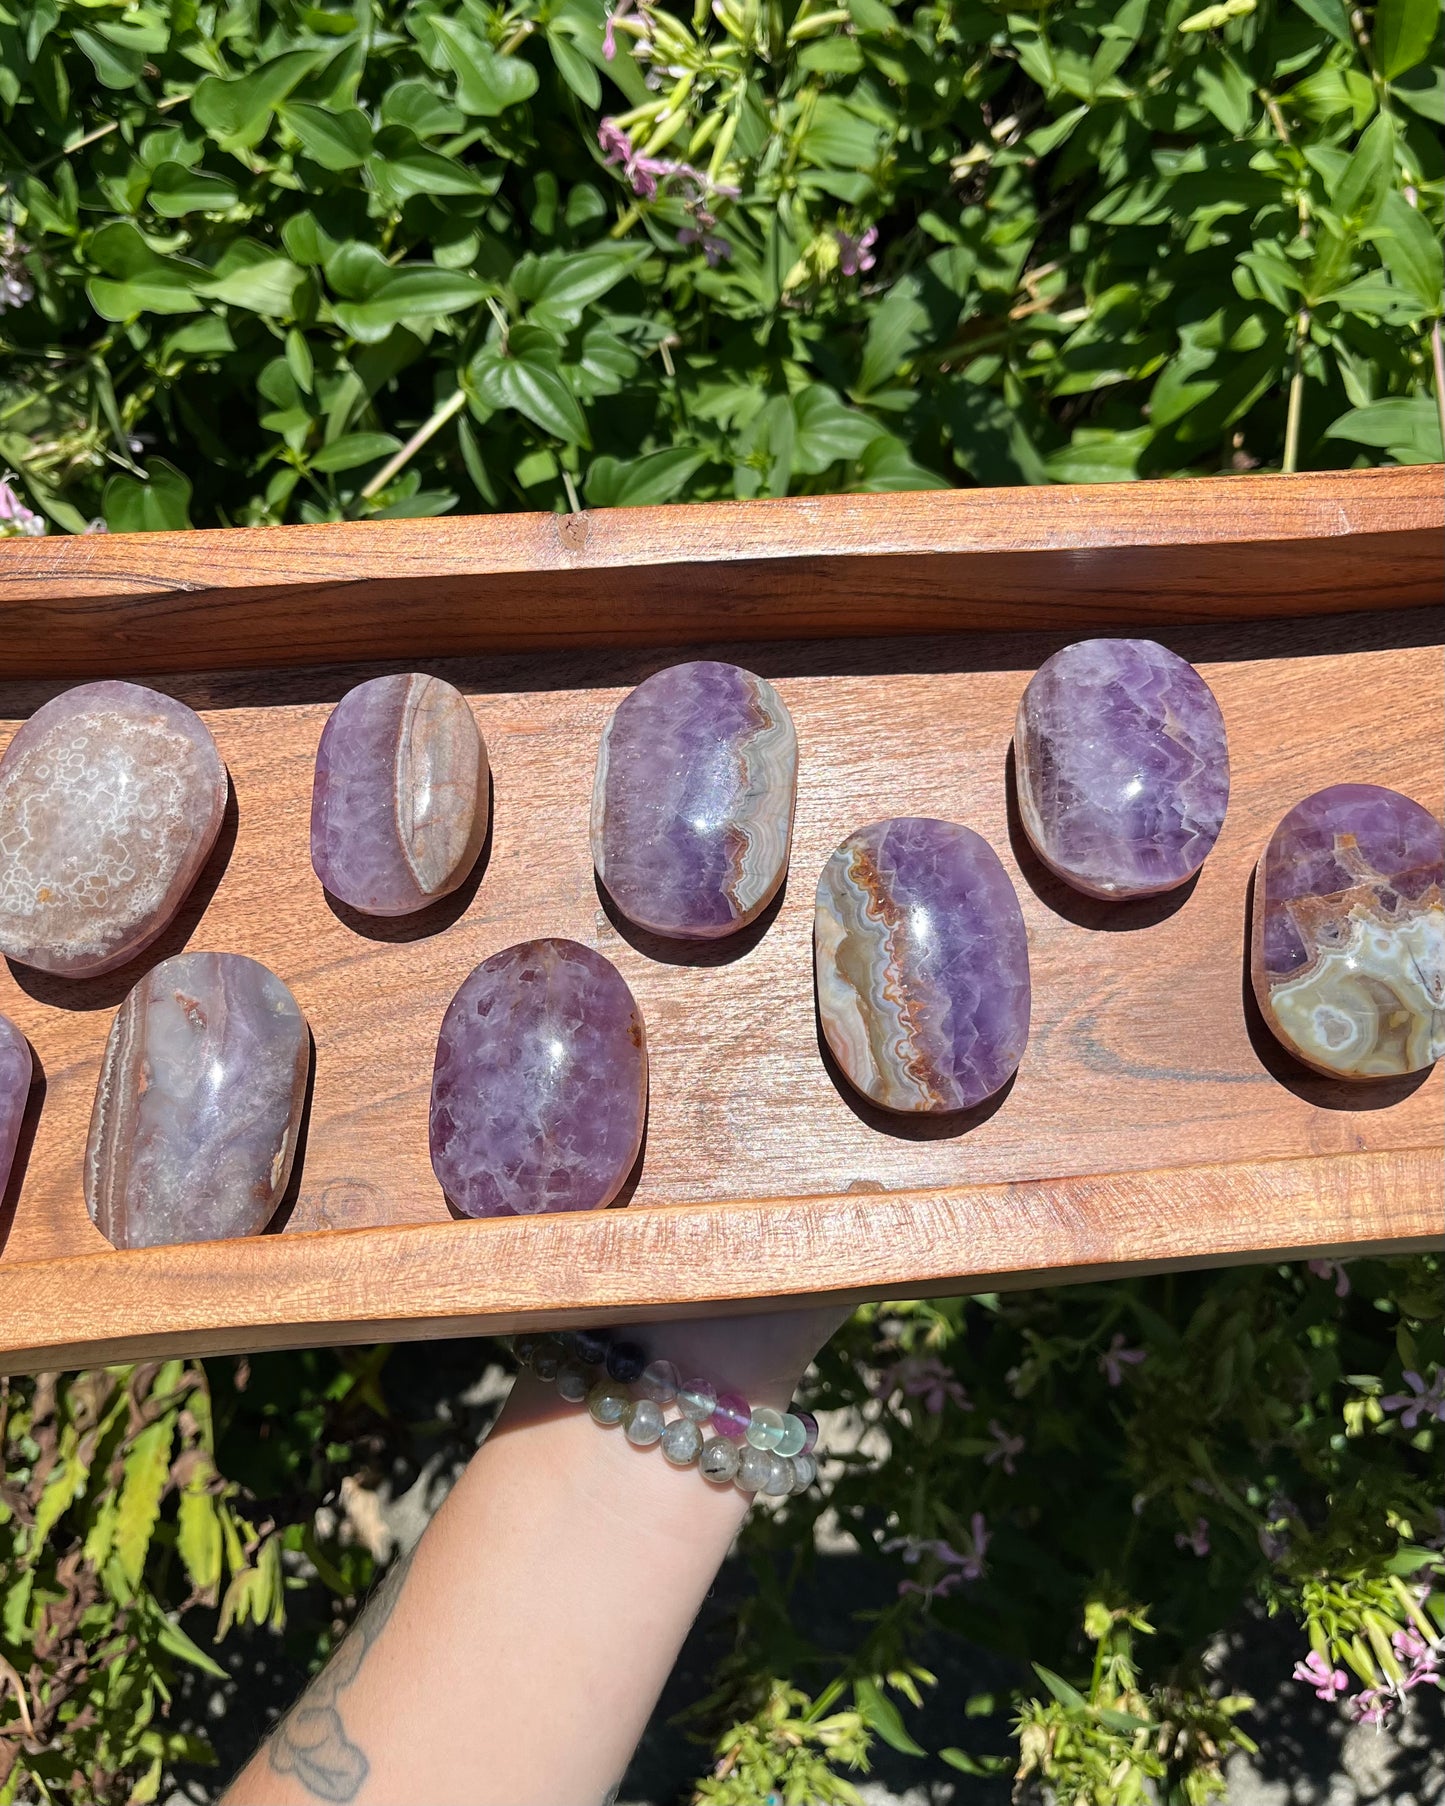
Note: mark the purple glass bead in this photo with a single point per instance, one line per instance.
(111, 797)
(732, 1416)
(198, 1105)
(539, 1094)
(400, 804)
(692, 811)
(1348, 937)
(922, 965)
(1122, 767)
(810, 1430)
(17, 1068)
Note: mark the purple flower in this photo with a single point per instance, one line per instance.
(1116, 1358)
(926, 1377)
(1196, 1539)
(1005, 1447)
(1428, 1403)
(615, 143)
(1316, 1672)
(856, 254)
(609, 40)
(1327, 1269)
(957, 1565)
(16, 520)
(715, 248)
(1371, 1705)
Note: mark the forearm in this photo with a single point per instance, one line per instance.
(523, 1652)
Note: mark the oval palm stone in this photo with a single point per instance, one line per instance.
(400, 803)
(111, 797)
(198, 1105)
(539, 1094)
(692, 810)
(922, 965)
(16, 1071)
(1122, 767)
(1348, 941)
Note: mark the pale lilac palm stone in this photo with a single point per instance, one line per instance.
(922, 965)
(539, 1093)
(692, 810)
(111, 797)
(400, 802)
(16, 1071)
(1122, 766)
(198, 1106)
(1348, 938)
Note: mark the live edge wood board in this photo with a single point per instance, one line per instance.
(1153, 1123)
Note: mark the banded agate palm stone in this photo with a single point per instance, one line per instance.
(692, 810)
(1122, 767)
(111, 797)
(1348, 941)
(16, 1070)
(539, 1093)
(198, 1106)
(922, 965)
(400, 803)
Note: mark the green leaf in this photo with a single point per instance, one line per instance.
(560, 285)
(1410, 251)
(175, 190)
(402, 168)
(1369, 172)
(336, 138)
(171, 1637)
(895, 330)
(1227, 92)
(1060, 1688)
(1403, 32)
(633, 482)
(239, 110)
(1410, 422)
(487, 82)
(826, 431)
(536, 391)
(355, 449)
(975, 1765)
(1331, 15)
(115, 65)
(263, 287)
(580, 75)
(147, 1469)
(886, 465)
(411, 292)
(882, 1716)
(198, 1536)
(1095, 456)
(158, 505)
(1423, 91)
(417, 106)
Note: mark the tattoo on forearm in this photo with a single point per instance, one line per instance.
(311, 1741)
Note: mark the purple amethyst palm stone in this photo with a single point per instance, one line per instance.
(692, 811)
(539, 1094)
(17, 1068)
(400, 804)
(922, 965)
(198, 1107)
(1122, 766)
(1348, 939)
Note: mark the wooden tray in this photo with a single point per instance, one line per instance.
(1154, 1122)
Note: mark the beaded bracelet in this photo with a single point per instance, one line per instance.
(757, 1448)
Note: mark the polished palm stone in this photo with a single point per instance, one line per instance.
(692, 810)
(539, 1094)
(1122, 767)
(111, 797)
(922, 965)
(1348, 940)
(400, 804)
(16, 1071)
(198, 1106)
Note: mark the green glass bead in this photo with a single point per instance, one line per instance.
(606, 1402)
(682, 1442)
(805, 1472)
(765, 1429)
(779, 1482)
(753, 1468)
(643, 1423)
(794, 1435)
(719, 1460)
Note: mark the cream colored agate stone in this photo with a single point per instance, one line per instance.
(111, 797)
(1348, 938)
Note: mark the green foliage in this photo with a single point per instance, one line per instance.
(331, 262)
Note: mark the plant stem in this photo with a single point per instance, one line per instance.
(1296, 394)
(452, 405)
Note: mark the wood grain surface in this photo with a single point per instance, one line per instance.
(941, 561)
(1153, 1121)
